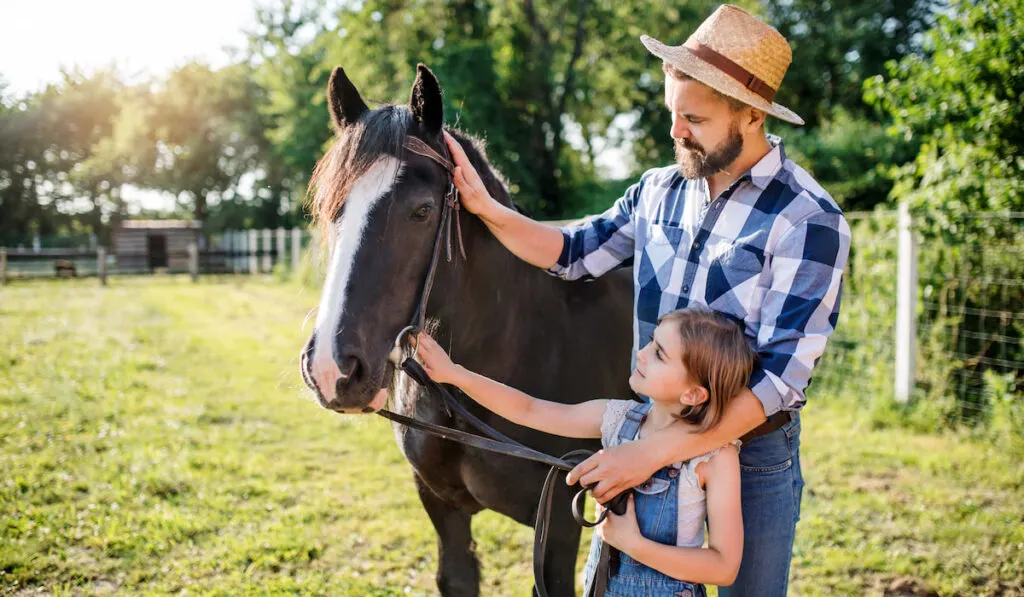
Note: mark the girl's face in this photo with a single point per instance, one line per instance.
(660, 373)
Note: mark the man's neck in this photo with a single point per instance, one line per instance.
(754, 149)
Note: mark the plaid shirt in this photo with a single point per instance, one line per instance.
(769, 253)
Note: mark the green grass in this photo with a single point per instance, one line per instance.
(155, 439)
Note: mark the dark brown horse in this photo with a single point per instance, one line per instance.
(564, 341)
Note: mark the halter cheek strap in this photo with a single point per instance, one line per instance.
(449, 206)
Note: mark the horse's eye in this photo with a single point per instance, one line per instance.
(422, 213)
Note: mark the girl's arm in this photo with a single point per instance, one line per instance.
(567, 420)
(719, 562)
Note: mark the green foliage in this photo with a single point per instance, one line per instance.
(839, 44)
(851, 158)
(961, 100)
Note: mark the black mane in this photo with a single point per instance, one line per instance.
(382, 132)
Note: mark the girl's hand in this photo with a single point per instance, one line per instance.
(435, 360)
(621, 531)
(474, 195)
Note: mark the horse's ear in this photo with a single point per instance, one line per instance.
(345, 104)
(425, 101)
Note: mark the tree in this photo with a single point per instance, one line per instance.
(961, 100)
(839, 44)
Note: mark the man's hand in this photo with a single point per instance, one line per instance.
(472, 192)
(615, 470)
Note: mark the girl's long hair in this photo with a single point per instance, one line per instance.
(716, 354)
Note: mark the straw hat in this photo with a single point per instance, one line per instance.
(734, 53)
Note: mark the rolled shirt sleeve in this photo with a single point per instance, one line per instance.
(600, 243)
(800, 308)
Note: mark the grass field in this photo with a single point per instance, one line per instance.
(155, 439)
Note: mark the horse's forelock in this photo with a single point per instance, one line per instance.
(360, 145)
(353, 153)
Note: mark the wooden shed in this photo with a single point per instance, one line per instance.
(154, 244)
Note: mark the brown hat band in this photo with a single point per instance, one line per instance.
(724, 64)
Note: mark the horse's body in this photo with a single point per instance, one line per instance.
(562, 341)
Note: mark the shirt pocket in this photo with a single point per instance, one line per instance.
(659, 254)
(734, 276)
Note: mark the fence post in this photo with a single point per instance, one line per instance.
(193, 261)
(254, 266)
(3, 266)
(906, 306)
(235, 241)
(279, 245)
(296, 248)
(267, 265)
(101, 264)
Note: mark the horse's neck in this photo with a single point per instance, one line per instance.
(479, 298)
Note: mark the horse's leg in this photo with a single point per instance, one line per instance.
(563, 545)
(458, 572)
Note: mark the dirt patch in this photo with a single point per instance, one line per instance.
(907, 586)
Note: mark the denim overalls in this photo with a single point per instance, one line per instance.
(656, 502)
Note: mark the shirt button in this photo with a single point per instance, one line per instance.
(673, 472)
(686, 288)
(696, 246)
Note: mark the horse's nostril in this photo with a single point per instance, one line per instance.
(350, 368)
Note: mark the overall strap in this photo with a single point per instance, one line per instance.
(634, 419)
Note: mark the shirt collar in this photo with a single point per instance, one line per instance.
(762, 173)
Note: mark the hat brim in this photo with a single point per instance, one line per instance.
(683, 59)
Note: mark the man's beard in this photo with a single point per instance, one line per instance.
(694, 162)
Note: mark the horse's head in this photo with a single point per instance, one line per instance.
(380, 206)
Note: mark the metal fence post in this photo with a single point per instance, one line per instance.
(193, 261)
(906, 307)
(296, 248)
(254, 266)
(101, 264)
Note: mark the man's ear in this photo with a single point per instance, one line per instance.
(753, 119)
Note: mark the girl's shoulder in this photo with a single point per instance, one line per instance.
(727, 454)
(614, 415)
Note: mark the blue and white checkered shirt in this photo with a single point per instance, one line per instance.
(769, 252)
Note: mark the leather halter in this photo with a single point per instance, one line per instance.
(450, 208)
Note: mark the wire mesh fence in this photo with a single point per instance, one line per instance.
(968, 347)
(859, 359)
(971, 316)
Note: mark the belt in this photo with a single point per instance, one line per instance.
(774, 422)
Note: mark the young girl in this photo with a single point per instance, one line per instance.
(695, 363)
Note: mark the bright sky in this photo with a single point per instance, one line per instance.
(41, 36)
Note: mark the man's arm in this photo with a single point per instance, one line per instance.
(798, 314)
(628, 465)
(588, 249)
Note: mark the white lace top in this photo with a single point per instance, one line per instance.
(692, 503)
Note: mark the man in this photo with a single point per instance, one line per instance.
(735, 226)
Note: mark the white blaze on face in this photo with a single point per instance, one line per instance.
(346, 237)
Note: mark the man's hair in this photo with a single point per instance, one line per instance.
(734, 104)
(717, 356)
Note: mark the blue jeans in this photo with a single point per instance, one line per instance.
(771, 489)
